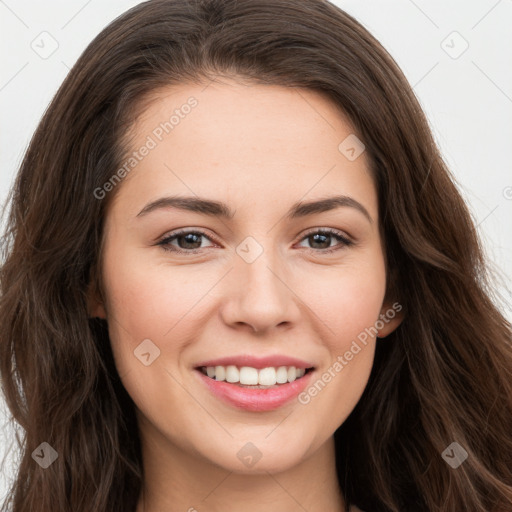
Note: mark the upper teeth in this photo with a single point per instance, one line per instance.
(252, 376)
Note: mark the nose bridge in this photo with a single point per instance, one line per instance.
(259, 267)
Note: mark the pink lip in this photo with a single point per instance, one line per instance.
(257, 362)
(255, 400)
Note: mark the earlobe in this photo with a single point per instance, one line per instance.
(391, 316)
(97, 311)
(95, 306)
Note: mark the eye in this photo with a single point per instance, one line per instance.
(189, 241)
(324, 237)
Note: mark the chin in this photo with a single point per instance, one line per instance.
(260, 455)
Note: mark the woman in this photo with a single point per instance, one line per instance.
(173, 338)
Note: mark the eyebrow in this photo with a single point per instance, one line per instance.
(218, 209)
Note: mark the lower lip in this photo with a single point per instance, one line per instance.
(256, 400)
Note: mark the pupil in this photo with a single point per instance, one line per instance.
(188, 240)
(316, 237)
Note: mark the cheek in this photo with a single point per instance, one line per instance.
(149, 313)
(349, 312)
(149, 295)
(348, 300)
(149, 302)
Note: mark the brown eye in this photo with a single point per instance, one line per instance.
(320, 240)
(187, 242)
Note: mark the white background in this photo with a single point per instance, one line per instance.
(468, 99)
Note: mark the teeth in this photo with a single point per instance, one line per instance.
(248, 376)
(266, 377)
(282, 375)
(232, 374)
(219, 373)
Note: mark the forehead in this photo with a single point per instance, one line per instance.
(248, 141)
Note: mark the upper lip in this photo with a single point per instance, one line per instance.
(257, 362)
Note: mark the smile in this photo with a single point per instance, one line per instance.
(255, 384)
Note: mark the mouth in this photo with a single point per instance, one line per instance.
(255, 389)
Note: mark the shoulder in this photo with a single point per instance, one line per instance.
(353, 508)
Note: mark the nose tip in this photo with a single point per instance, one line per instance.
(261, 298)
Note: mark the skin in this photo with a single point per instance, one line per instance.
(259, 149)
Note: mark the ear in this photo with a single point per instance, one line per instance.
(390, 317)
(95, 302)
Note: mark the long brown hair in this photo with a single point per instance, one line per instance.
(444, 376)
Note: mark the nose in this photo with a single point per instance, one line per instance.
(260, 296)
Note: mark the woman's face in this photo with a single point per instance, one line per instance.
(266, 282)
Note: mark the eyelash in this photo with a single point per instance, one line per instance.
(345, 242)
